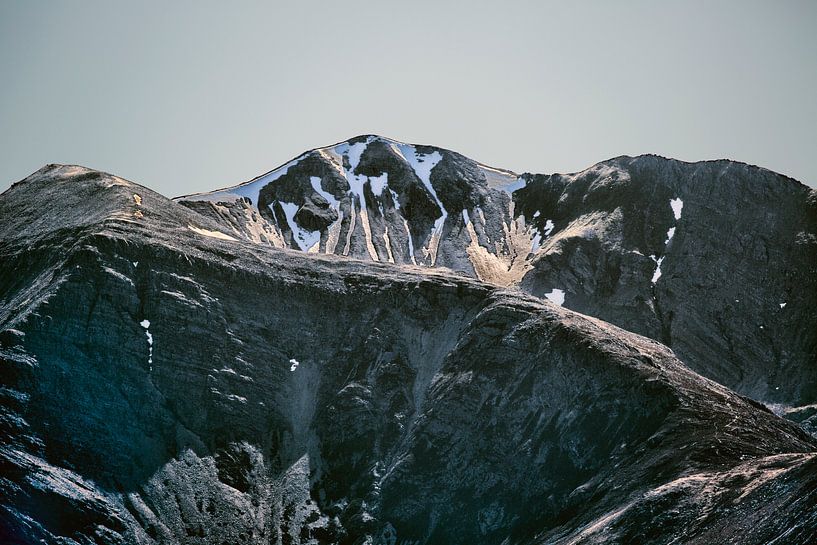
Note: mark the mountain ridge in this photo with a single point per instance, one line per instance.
(152, 398)
(506, 170)
(591, 257)
(600, 241)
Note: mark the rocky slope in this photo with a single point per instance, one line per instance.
(166, 381)
(717, 260)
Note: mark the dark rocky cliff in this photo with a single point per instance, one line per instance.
(165, 381)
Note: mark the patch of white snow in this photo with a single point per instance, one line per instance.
(303, 238)
(548, 227)
(422, 165)
(677, 205)
(316, 185)
(395, 198)
(536, 243)
(379, 183)
(249, 189)
(516, 185)
(556, 296)
(146, 324)
(657, 274)
(410, 241)
(353, 153)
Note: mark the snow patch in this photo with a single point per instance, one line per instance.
(496, 177)
(379, 183)
(548, 227)
(410, 241)
(334, 229)
(536, 243)
(677, 205)
(353, 153)
(657, 274)
(516, 185)
(395, 198)
(556, 296)
(293, 364)
(536, 214)
(146, 324)
(782, 305)
(316, 185)
(303, 238)
(422, 165)
(249, 189)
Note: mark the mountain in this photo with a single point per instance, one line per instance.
(170, 376)
(717, 260)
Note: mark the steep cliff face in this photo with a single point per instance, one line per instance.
(167, 381)
(716, 259)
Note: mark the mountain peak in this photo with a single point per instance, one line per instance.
(169, 375)
(619, 240)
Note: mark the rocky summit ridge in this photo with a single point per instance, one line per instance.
(173, 372)
(715, 259)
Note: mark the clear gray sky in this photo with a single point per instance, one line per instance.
(190, 96)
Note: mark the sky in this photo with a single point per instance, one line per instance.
(192, 96)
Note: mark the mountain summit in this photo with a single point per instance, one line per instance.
(379, 199)
(716, 260)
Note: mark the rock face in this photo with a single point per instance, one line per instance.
(717, 260)
(167, 380)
